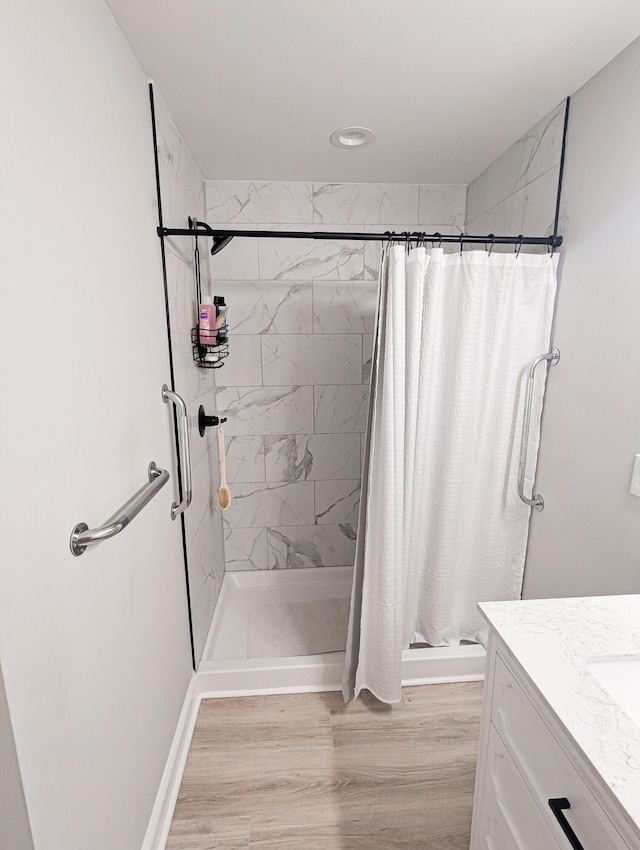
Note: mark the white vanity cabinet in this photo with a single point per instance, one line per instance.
(534, 788)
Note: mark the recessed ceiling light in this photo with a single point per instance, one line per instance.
(352, 137)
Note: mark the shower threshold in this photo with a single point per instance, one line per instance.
(247, 597)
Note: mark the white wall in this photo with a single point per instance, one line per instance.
(14, 822)
(95, 650)
(587, 540)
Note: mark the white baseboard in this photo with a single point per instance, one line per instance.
(162, 812)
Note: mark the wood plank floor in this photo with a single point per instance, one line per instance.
(307, 772)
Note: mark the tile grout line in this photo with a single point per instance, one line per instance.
(512, 194)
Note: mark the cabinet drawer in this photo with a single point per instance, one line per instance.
(546, 767)
(510, 819)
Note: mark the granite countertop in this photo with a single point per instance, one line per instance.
(553, 640)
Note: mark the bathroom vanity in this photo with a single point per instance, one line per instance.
(559, 761)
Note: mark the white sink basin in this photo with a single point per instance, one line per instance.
(620, 678)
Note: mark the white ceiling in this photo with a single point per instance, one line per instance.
(256, 87)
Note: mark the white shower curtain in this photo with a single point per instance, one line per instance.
(441, 525)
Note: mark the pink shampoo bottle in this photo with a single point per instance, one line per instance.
(207, 324)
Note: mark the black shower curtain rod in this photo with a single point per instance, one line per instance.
(222, 236)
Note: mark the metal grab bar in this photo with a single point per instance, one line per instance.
(536, 499)
(83, 536)
(183, 447)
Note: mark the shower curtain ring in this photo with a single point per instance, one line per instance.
(461, 238)
(493, 242)
(520, 238)
(439, 235)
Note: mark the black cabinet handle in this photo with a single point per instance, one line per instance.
(557, 806)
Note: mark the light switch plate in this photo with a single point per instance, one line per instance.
(635, 478)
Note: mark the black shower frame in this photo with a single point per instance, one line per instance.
(171, 370)
(222, 236)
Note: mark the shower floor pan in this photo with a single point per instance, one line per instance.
(226, 669)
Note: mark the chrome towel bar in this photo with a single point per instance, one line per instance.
(83, 536)
(536, 499)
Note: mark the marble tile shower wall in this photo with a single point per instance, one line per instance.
(296, 384)
(517, 193)
(182, 196)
